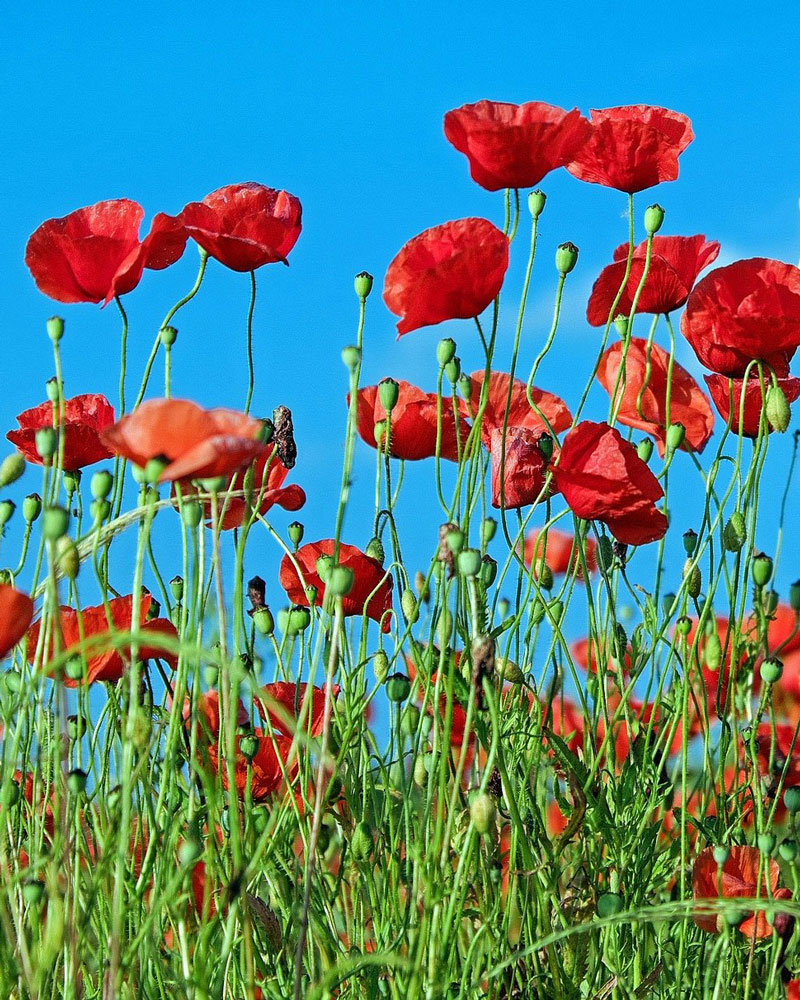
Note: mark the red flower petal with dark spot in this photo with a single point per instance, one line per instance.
(519, 480)
(720, 388)
(85, 417)
(16, 613)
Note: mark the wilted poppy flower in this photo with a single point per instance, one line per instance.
(282, 704)
(195, 443)
(245, 226)
(688, 404)
(16, 613)
(514, 145)
(414, 422)
(520, 412)
(560, 553)
(452, 271)
(269, 474)
(632, 148)
(104, 663)
(749, 310)
(739, 878)
(675, 262)
(602, 478)
(372, 586)
(94, 253)
(721, 387)
(85, 417)
(518, 475)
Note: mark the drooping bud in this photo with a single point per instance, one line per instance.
(388, 392)
(31, 507)
(536, 202)
(712, 652)
(488, 571)
(645, 449)
(653, 219)
(361, 843)
(761, 569)
(363, 284)
(421, 587)
(735, 532)
(55, 328)
(777, 406)
(509, 671)
(605, 553)
(676, 435)
(46, 440)
(11, 469)
(409, 606)
(545, 577)
(566, 258)
(7, 508)
(296, 531)
(375, 549)
(445, 351)
(380, 666)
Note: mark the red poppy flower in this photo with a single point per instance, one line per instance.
(372, 586)
(783, 630)
(85, 417)
(716, 681)
(784, 752)
(94, 253)
(245, 226)
(514, 145)
(565, 719)
(688, 404)
(745, 311)
(520, 411)
(196, 443)
(602, 478)
(106, 664)
(16, 613)
(518, 477)
(452, 271)
(632, 148)
(414, 421)
(559, 552)
(720, 388)
(793, 990)
(271, 490)
(282, 703)
(675, 262)
(587, 652)
(739, 878)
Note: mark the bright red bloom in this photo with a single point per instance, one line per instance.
(282, 703)
(452, 271)
(632, 148)
(783, 630)
(245, 226)
(16, 613)
(739, 878)
(602, 478)
(587, 652)
(372, 586)
(749, 310)
(94, 253)
(196, 443)
(565, 719)
(514, 145)
(720, 388)
(793, 990)
(675, 263)
(520, 411)
(414, 421)
(715, 682)
(518, 477)
(271, 490)
(104, 663)
(688, 404)
(85, 417)
(559, 553)
(785, 754)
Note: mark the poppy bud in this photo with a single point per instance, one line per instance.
(556, 611)
(189, 852)
(46, 442)
(99, 509)
(536, 202)
(31, 507)
(12, 467)
(168, 335)
(465, 387)
(263, 620)
(388, 391)
(340, 581)
(761, 569)
(690, 542)
(645, 449)
(469, 562)
(76, 781)
(788, 850)
(55, 328)
(421, 587)
(445, 351)
(13, 794)
(545, 445)
(735, 532)
(482, 812)
(55, 523)
(693, 577)
(379, 432)
(210, 675)
(605, 553)
(12, 681)
(445, 627)
(67, 558)
(7, 508)
(721, 853)
(503, 607)
(712, 653)
(52, 389)
(777, 406)
(566, 258)
(509, 671)
(363, 284)
(488, 530)
(380, 666)
(351, 356)
(420, 772)
(176, 587)
(488, 571)
(455, 540)
(794, 595)
(410, 720)
(101, 484)
(33, 891)
(683, 625)
(609, 904)
(72, 481)
(545, 577)
(294, 620)
(676, 434)
(771, 600)
(452, 370)
(361, 843)
(295, 533)
(192, 514)
(791, 798)
(653, 219)
(409, 606)
(375, 549)
(249, 746)
(766, 843)
(771, 670)
(398, 687)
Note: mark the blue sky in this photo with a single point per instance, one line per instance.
(342, 105)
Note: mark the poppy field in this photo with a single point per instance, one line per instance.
(552, 760)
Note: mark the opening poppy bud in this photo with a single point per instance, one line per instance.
(380, 666)
(192, 514)
(388, 392)
(55, 523)
(778, 412)
(536, 202)
(653, 219)
(379, 432)
(67, 558)
(766, 843)
(482, 812)
(693, 578)
(488, 530)
(771, 670)
(465, 387)
(351, 356)
(46, 442)
(409, 606)
(363, 284)
(761, 569)
(683, 625)
(488, 571)
(645, 449)
(31, 507)
(99, 509)
(676, 435)
(340, 581)
(33, 891)
(445, 351)
(609, 904)
(176, 587)
(375, 549)
(545, 445)
(566, 258)
(690, 541)
(76, 781)
(398, 687)
(168, 335)
(72, 480)
(52, 390)
(249, 746)
(788, 850)
(794, 596)
(469, 562)
(621, 325)
(791, 798)
(7, 508)
(361, 843)
(11, 468)
(452, 370)
(712, 653)
(735, 532)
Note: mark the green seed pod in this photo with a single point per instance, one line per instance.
(605, 553)
(46, 440)
(766, 843)
(52, 390)
(380, 666)
(295, 531)
(482, 812)
(676, 435)
(323, 567)
(566, 258)
(55, 328)
(375, 549)
(351, 357)
(340, 581)
(488, 571)
(311, 595)
(176, 587)
(409, 721)
(363, 284)
(12, 681)
(409, 606)
(545, 575)
(761, 569)
(721, 854)
(609, 904)
(192, 514)
(469, 562)
(794, 595)
(653, 219)
(645, 449)
(99, 509)
(68, 560)
(294, 621)
(398, 687)
(210, 484)
(210, 675)
(735, 532)
(444, 628)
(621, 326)
(690, 542)
(455, 541)
(791, 798)
(7, 508)
(73, 669)
(361, 843)
(420, 772)
(263, 620)
(11, 469)
(33, 891)
(75, 727)
(249, 746)
(189, 852)
(445, 351)
(465, 387)
(76, 781)
(788, 850)
(545, 445)
(771, 670)
(452, 370)
(72, 481)
(55, 523)
(693, 578)
(101, 484)
(536, 202)
(777, 406)
(712, 652)
(488, 531)
(770, 601)
(31, 507)
(683, 625)
(388, 393)
(168, 335)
